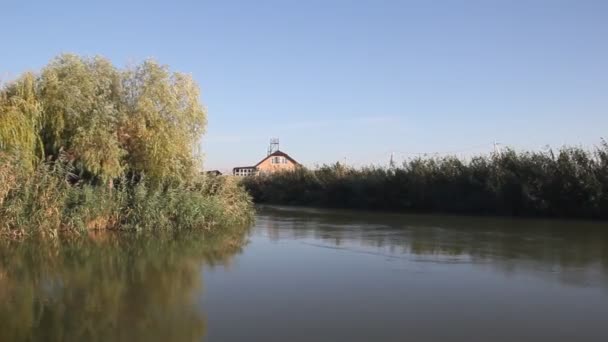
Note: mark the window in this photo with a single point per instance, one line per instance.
(278, 160)
(245, 171)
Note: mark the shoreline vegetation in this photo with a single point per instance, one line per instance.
(569, 183)
(86, 146)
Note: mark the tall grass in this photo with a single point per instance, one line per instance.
(52, 200)
(570, 183)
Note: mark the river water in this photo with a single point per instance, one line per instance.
(317, 275)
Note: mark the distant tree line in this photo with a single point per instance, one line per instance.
(570, 183)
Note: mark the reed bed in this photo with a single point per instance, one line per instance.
(571, 182)
(52, 200)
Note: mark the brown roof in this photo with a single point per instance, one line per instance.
(278, 154)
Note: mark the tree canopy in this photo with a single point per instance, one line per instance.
(107, 121)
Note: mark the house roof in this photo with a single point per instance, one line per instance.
(278, 153)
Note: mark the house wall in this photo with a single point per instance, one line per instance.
(244, 171)
(268, 167)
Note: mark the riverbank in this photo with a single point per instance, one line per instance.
(48, 202)
(571, 183)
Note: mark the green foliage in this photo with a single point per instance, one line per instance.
(107, 122)
(47, 202)
(81, 102)
(200, 204)
(573, 183)
(165, 122)
(84, 145)
(20, 119)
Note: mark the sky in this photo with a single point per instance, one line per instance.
(350, 81)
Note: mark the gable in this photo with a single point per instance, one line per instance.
(277, 154)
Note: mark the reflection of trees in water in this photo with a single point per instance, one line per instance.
(571, 251)
(109, 288)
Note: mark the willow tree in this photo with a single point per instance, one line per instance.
(20, 114)
(81, 114)
(163, 123)
(105, 121)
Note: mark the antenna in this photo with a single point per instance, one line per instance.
(273, 146)
(496, 148)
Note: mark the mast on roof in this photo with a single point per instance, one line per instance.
(273, 146)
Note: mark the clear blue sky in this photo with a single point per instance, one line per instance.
(350, 79)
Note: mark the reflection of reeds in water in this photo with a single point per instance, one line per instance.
(109, 287)
(574, 252)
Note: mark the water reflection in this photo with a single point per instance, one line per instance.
(108, 287)
(316, 275)
(573, 252)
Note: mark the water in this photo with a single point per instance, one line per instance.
(306, 274)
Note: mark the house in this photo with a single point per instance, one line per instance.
(276, 161)
(273, 162)
(213, 173)
(243, 170)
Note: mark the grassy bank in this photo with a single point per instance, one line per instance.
(569, 183)
(87, 146)
(49, 202)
